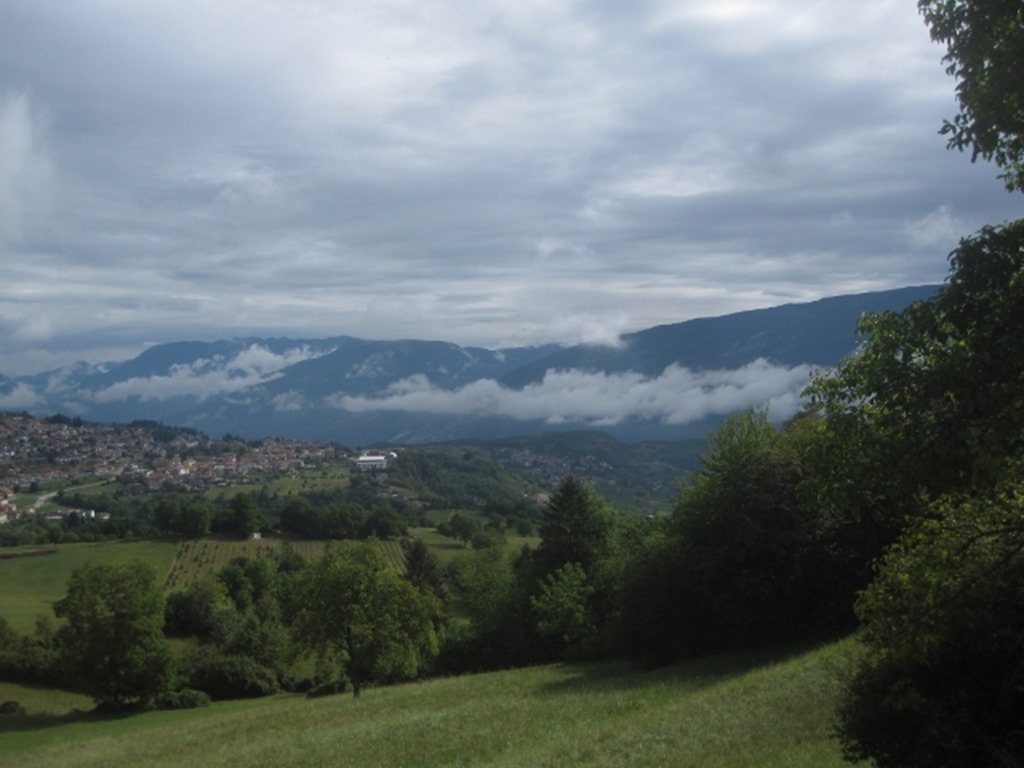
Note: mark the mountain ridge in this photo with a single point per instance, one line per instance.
(665, 382)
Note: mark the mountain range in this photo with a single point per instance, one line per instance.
(666, 382)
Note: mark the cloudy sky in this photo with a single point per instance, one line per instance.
(492, 172)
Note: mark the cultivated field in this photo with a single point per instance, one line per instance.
(198, 558)
(728, 712)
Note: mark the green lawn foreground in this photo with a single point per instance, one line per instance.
(728, 712)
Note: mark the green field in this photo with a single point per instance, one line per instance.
(727, 712)
(327, 478)
(31, 582)
(34, 577)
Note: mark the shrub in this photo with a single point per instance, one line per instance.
(232, 677)
(11, 708)
(187, 698)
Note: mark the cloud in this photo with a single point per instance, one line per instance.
(937, 229)
(487, 173)
(597, 330)
(26, 171)
(20, 397)
(205, 378)
(678, 396)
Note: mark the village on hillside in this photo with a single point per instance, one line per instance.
(36, 453)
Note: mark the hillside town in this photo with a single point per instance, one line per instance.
(36, 453)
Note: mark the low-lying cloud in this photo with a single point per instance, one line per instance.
(209, 377)
(678, 396)
(20, 397)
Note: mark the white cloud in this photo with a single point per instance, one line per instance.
(678, 396)
(20, 397)
(598, 330)
(26, 170)
(936, 229)
(206, 378)
(290, 401)
(484, 173)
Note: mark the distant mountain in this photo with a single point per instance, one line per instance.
(668, 382)
(818, 333)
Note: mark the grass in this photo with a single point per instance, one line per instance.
(32, 583)
(739, 711)
(328, 478)
(44, 703)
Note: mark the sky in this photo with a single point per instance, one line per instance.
(495, 173)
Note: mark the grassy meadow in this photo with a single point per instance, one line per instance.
(33, 577)
(723, 712)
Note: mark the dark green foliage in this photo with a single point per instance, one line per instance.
(224, 676)
(576, 527)
(322, 519)
(11, 708)
(354, 608)
(926, 430)
(984, 41)
(563, 608)
(742, 563)
(187, 698)
(198, 610)
(30, 658)
(245, 517)
(195, 520)
(943, 681)
(423, 570)
(454, 477)
(384, 523)
(112, 641)
(8, 637)
(933, 401)
(460, 526)
(498, 629)
(34, 658)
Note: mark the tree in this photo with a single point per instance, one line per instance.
(563, 606)
(495, 626)
(198, 609)
(984, 42)
(942, 683)
(576, 527)
(196, 518)
(245, 518)
(932, 402)
(931, 412)
(423, 570)
(743, 563)
(461, 527)
(112, 640)
(358, 610)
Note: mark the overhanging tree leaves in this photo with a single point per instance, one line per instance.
(984, 41)
(934, 400)
(112, 640)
